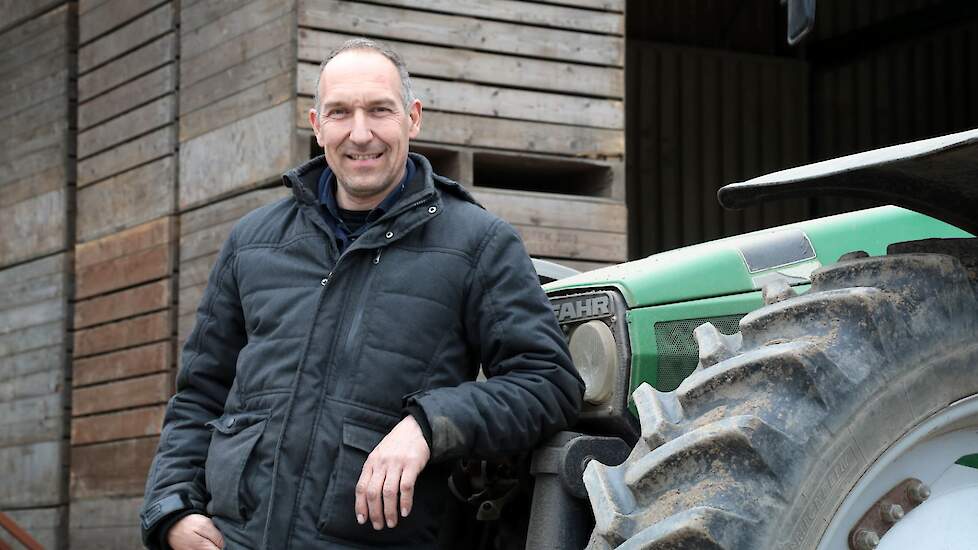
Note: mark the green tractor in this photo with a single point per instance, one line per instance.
(813, 386)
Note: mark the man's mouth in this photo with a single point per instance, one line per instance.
(371, 156)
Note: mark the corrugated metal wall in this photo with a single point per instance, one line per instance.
(702, 118)
(715, 95)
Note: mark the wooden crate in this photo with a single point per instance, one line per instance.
(35, 129)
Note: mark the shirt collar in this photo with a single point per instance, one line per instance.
(327, 193)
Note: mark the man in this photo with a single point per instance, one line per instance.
(327, 383)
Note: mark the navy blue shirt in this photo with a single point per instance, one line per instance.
(345, 235)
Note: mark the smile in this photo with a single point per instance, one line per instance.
(365, 157)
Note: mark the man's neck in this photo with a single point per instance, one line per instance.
(347, 201)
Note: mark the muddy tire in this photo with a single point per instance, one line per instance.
(760, 445)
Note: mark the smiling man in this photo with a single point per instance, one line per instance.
(329, 379)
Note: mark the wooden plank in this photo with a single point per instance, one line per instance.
(32, 339)
(134, 197)
(134, 123)
(462, 32)
(105, 523)
(29, 362)
(31, 282)
(146, 148)
(117, 468)
(44, 525)
(20, 76)
(23, 20)
(235, 23)
(39, 223)
(31, 163)
(526, 13)
(24, 141)
(551, 210)
(131, 94)
(118, 425)
(132, 332)
(52, 112)
(39, 183)
(122, 364)
(575, 244)
(33, 419)
(236, 50)
(221, 162)
(40, 384)
(481, 67)
(136, 63)
(137, 239)
(538, 137)
(197, 13)
(32, 474)
(606, 5)
(122, 394)
(32, 314)
(135, 33)
(146, 265)
(219, 213)
(44, 39)
(126, 303)
(54, 85)
(476, 99)
(235, 79)
(243, 104)
(108, 15)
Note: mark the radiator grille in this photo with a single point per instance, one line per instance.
(678, 352)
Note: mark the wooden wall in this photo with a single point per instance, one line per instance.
(523, 102)
(125, 264)
(37, 52)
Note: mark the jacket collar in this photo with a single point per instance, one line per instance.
(413, 207)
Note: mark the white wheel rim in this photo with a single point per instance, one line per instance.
(928, 453)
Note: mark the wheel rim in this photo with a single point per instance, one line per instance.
(928, 453)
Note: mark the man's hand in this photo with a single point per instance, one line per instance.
(194, 532)
(392, 467)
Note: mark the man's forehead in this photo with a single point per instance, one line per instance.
(366, 66)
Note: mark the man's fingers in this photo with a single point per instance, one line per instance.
(360, 506)
(408, 478)
(209, 531)
(374, 489)
(391, 486)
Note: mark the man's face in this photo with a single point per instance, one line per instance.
(363, 127)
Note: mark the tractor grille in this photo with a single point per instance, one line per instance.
(678, 352)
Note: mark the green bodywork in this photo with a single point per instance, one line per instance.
(670, 293)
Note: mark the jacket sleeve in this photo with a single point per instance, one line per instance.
(175, 482)
(532, 390)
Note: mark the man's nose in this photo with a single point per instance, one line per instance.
(360, 133)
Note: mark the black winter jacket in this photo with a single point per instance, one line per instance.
(302, 359)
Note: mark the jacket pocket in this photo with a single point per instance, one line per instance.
(232, 442)
(336, 515)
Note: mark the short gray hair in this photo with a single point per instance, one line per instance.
(407, 91)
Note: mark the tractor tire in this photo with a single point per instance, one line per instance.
(757, 449)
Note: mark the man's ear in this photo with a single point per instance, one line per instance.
(314, 122)
(415, 114)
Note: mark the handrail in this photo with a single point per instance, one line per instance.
(19, 534)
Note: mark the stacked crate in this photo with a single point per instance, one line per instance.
(237, 106)
(125, 256)
(37, 48)
(523, 102)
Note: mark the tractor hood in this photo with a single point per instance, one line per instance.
(937, 176)
(746, 262)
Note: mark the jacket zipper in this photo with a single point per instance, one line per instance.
(358, 308)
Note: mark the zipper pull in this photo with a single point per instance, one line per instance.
(326, 278)
(377, 257)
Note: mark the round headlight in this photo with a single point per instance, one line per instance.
(592, 347)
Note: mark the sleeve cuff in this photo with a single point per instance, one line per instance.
(162, 529)
(417, 412)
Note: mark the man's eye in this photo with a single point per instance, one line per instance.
(336, 113)
(382, 110)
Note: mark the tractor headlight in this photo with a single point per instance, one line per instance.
(593, 349)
